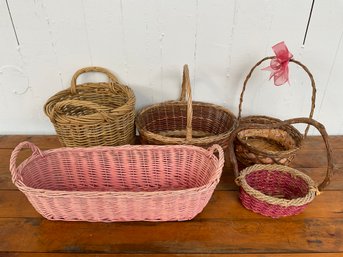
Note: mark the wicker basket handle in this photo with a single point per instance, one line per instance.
(109, 74)
(58, 110)
(13, 161)
(313, 84)
(217, 148)
(186, 91)
(308, 121)
(220, 159)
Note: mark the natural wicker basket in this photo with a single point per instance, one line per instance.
(185, 122)
(93, 114)
(123, 183)
(268, 146)
(277, 190)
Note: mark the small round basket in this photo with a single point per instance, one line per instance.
(185, 122)
(93, 114)
(276, 190)
(269, 146)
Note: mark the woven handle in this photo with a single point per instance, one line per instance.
(313, 84)
(308, 121)
(59, 114)
(220, 158)
(187, 92)
(217, 148)
(109, 74)
(13, 161)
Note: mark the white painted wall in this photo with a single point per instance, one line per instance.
(147, 42)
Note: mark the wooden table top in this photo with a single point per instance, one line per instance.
(224, 228)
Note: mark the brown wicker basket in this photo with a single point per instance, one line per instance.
(185, 122)
(269, 146)
(93, 114)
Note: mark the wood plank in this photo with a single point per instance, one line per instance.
(231, 235)
(316, 158)
(314, 142)
(223, 204)
(168, 255)
(43, 142)
(51, 141)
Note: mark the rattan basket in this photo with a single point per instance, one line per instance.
(276, 190)
(93, 114)
(123, 183)
(185, 122)
(269, 146)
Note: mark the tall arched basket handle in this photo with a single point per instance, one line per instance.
(313, 85)
(186, 95)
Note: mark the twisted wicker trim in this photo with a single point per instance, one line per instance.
(176, 140)
(241, 181)
(292, 131)
(49, 107)
(316, 124)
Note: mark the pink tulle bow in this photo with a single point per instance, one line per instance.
(279, 64)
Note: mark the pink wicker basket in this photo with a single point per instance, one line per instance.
(275, 190)
(124, 183)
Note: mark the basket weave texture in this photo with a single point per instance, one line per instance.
(269, 146)
(124, 183)
(276, 190)
(93, 114)
(185, 122)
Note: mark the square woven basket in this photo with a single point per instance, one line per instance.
(124, 183)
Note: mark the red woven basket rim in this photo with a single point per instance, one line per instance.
(241, 180)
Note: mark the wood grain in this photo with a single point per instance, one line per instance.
(224, 228)
(223, 205)
(169, 255)
(230, 235)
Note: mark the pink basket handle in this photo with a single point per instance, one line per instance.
(308, 121)
(220, 158)
(109, 74)
(13, 161)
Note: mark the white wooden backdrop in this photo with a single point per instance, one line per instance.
(147, 42)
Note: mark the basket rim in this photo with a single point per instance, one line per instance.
(241, 181)
(282, 153)
(212, 181)
(181, 140)
(126, 90)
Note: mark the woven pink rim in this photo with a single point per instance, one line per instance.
(181, 194)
